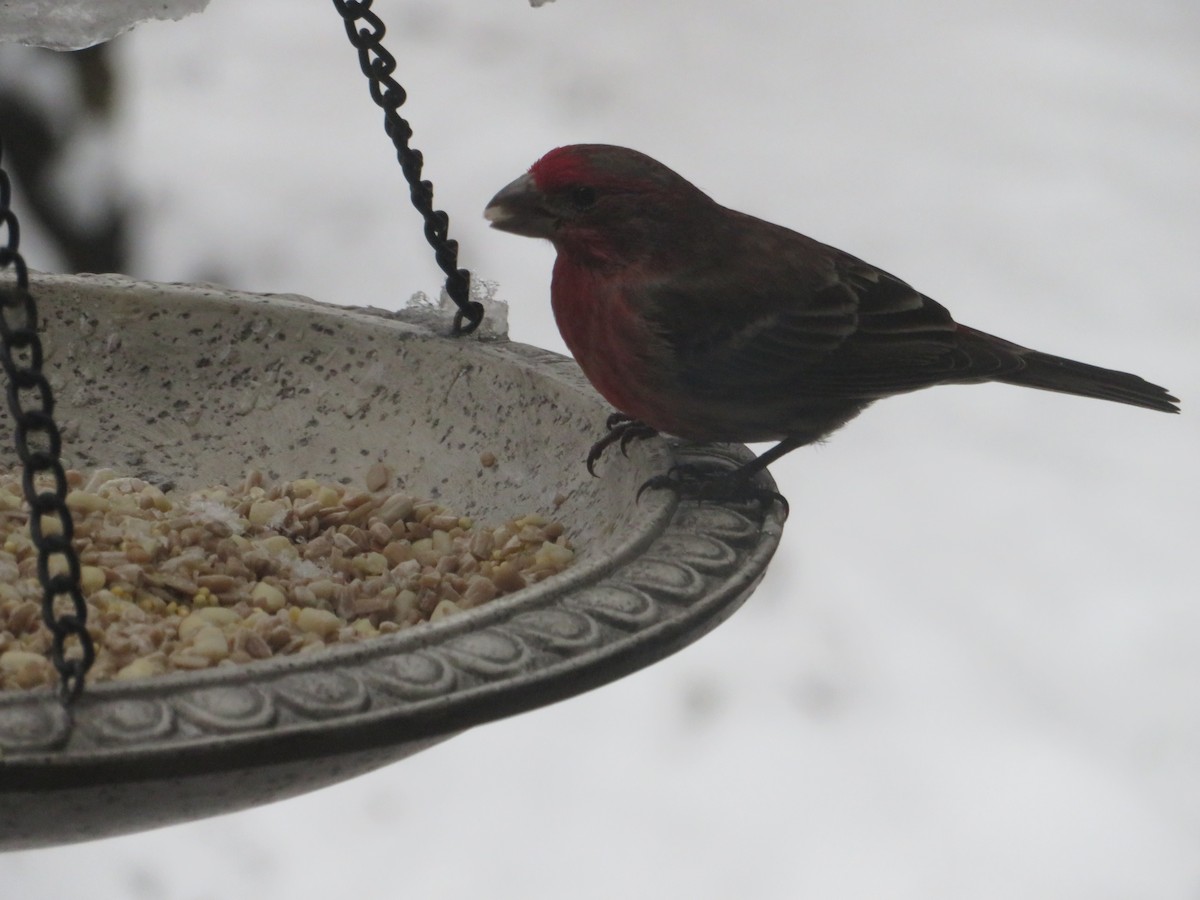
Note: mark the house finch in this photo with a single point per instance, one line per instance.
(706, 323)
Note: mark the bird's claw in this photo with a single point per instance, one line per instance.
(687, 481)
(621, 430)
(700, 483)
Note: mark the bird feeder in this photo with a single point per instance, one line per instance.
(192, 385)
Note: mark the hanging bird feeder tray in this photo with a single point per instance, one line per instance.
(194, 385)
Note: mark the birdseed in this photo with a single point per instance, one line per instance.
(220, 576)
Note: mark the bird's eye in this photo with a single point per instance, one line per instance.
(583, 197)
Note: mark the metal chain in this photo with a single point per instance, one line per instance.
(378, 65)
(39, 446)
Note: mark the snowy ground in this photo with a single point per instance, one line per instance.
(974, 668)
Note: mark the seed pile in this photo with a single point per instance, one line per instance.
(220, 576)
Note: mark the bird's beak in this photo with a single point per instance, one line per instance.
(520, 208)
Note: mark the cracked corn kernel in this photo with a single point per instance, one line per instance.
(225, 575)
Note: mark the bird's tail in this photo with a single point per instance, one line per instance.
(1054, 373)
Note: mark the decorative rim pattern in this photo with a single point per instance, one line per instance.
(533, 648)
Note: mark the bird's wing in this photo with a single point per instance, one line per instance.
(838, 329)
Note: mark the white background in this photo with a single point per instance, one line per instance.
(973, 670)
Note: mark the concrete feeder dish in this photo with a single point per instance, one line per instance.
(195, 385)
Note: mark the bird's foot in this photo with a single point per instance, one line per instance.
(621, 429)
(716, 485)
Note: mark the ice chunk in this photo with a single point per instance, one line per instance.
(438, 316)
(75, 24)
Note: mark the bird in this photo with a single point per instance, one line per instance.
(698, 321)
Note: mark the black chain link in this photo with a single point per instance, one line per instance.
(378, 65)
(39, 446)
